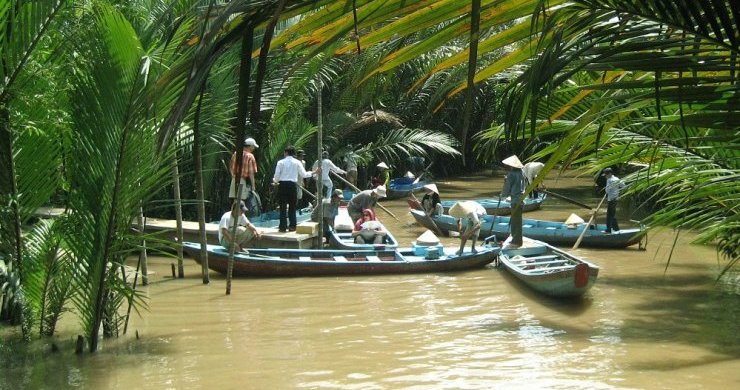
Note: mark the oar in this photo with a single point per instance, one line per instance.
(358, 190)
(567, 199)
(423, 172)
(588, 225)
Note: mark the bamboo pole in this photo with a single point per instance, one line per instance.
(178, 215)
(320, 184)
(358, 190)
(567, 199)
(593, 215)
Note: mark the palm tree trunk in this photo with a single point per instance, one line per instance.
(472, 64)
(178, 215)
(240, 122)
(199, 193)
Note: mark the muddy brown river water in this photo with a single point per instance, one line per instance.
(642, 326)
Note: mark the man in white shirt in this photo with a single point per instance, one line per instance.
(245, 231)
(613, 185)
(328, 166)
(287, 173)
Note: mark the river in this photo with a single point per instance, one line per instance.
(642, 326)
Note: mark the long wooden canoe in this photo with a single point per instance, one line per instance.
(548, 270)
(495, 206)
(315, 262)
(554, 233)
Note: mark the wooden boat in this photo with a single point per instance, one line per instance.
(402, 187)
(271, 219)
(344, 240)
(554, 233)
(315, 262)
(494, 206)
(548, 270)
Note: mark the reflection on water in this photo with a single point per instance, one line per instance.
(641, 326)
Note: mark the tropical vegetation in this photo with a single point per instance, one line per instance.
(107, 107)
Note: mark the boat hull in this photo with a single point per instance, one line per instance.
(554, 233)
(310, 262)
(501, 206)
(548, 270)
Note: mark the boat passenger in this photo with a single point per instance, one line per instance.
(613, 185)
(514, 186)
(384, 176)
(364, 200)
(468, 215)
(330, 211)
(368, 229)
(530, 171)
(430, 203)
(327, 166)
(245, 230)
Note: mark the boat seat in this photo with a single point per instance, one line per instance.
(374, 259)
(542, 257)
(544, 269)
(340, 258)
(304, 258)
(542, 262)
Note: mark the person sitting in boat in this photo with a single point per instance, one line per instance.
(431, 203)
(330, 211)
(245, 231)
(468, 215)
(368, 230)
(384, 176)
(364, 200)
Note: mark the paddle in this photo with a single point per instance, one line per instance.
(567, 199)
(358, 190)
(493, 220)
(593, 215)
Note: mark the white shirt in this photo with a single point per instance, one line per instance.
(327, 166)
(290, 169)
(226, 223)
(613, 184)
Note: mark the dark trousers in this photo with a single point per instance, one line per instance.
(287, 198)
(611, 216)
(516, 222)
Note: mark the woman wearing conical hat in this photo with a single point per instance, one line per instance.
(514, 186)
(431, 203)
(468, 215)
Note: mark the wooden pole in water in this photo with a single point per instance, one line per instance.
(320, 185)
(588, 225)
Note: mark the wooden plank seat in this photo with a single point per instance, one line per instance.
(544, 269)
(374, 259)
(340, 258)
(543, 262)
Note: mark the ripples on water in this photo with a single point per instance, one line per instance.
(637, 328)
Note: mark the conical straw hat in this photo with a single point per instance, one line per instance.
(427, 239)
(574, 220)
(382, 165)
(432, 187)
(461, 209)
(513, 161)
(410, 175)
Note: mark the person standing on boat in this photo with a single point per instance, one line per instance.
(384, 176)
(366, 199)
(514, 186)
(430, 203)
(330, 209)
(350, 163)
(530, 171)
(287, 173)
(249, 169)
(468, 215)
(613, 185)
(301, 200)
(327, 166)
(245, 231)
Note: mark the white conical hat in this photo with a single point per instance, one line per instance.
(461, 209)
(513, 161)
(410, 175)
(432, 187)
(574, 220)
(428, 239)
(382, 165)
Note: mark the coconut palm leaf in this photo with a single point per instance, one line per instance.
(117, 166)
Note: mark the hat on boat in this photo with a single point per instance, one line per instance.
(382, 165)
(250, 142)
(427, 239)
(410, 175)
(513, 161)
(432, 187)
(242, 206)
(574, 220)
(337, 193)
(380, 191)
